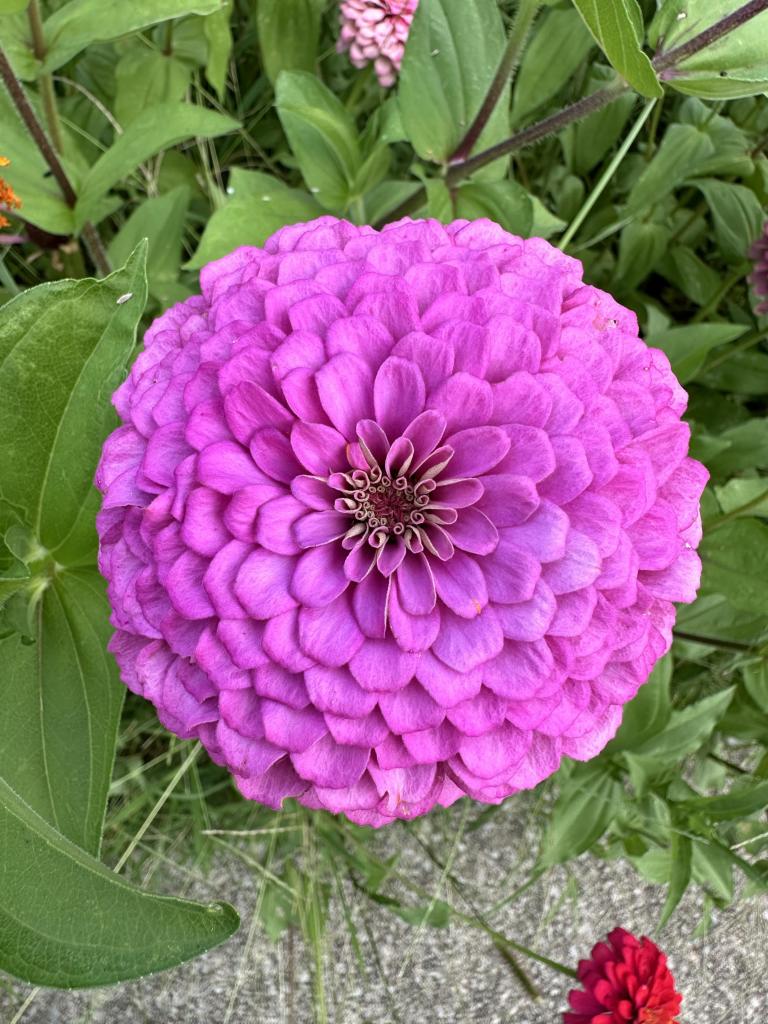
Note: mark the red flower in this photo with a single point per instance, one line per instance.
(627, 981)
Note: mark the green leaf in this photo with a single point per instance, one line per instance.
(712, 868)
(559, 45)
(751, 492)
(504, 202)
(756, 682)
(737, 214)
(745, 447)
(745, 373)
(453, 51)
(695, 278)
(649, 711)
(145, 78)
(61, 700)
(259, 206)
(161, 220)
(322, 135)
(680, 874)
(739, 803)
(289, 34)
(68, 921)
(685, 731)
(641, 246)
(735, 65)
(79, 23)
(219, 36)
(735, 563)
(54, 398)
(152, 131)
(28, 174)
(687, 347)
(588, 802)
(12, 6)
(682, 150)
(618, 29)
(586, 142)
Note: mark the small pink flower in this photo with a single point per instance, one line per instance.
(376, 31)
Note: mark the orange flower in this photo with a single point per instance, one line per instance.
(8, 198)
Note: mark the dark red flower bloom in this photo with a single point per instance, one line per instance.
(627, 981)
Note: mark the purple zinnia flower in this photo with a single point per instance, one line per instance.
(758, 253)
(376, 31)
(396, 516)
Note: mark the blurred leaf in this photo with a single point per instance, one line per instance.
(385, 197)
(153, 130)
(735, 560)
(756, 682)
(745, 373)
(504, 202)
(54, 398)
(145, 78)
(219, 36)
(560, 43)
(289, 34)
(545, 223)
(61, 699)
(741, 802)
(685, 731)
(712, 868)
(453, 51)
(12, 6)
(322, 135)
(696, 279)
(743, 491)
(680, 874)
(79, 23)
(161, 220)
(737, 214)
(68, 921)
(618, 29)
(259, 206)
(647, 713)
(735, 65)
(687, 347)
(745, 447)
(589, 800)
(641, 246)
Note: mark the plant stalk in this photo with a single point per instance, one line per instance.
(46, 80)
(524, 18)
(666, 61)
(25, 111)
(606, 176)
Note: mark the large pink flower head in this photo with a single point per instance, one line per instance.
(376, 31)
(396, 516)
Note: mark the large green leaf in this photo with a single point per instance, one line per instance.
(737, 214)
(735, 65)
(685, 731)
(152, 131)
(588, 802)
(648, 712)
(63, 349)
(79, 23)
(735, 561)
(67, 921)
(687, 346)
(289, 33)
(61, 701)
(618, 29)
(453, 51)
(258, 205)
(322, 135)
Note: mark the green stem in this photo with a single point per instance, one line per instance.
(726, 645)
(47, 92)
(526, 13)
(606, 176)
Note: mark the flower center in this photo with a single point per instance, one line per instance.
(382, 504)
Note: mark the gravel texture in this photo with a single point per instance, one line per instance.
(435, 975)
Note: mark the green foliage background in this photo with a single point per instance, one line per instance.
(200, 126)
